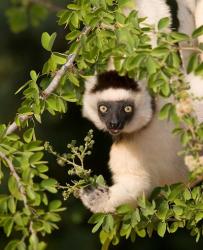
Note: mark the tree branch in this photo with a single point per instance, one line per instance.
(16, 176)
(53, 84)
(13, 127)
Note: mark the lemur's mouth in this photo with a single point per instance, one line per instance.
(114, 131)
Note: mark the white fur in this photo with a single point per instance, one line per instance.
(144, 158)
(196, 88)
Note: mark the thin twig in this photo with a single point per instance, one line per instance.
(20, 185)
(53, 84)
(47, 4)
(191, 49)
(13, 127)
(60, 73)
(196, 182)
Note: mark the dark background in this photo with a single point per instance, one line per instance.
(20, 53)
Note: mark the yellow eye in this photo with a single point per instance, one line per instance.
(128, 109)
(103, 108)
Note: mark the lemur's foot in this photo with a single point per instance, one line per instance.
(96, 198)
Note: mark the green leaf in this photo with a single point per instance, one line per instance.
(34, 241)
(135, 218)
(33, 75)
(8, 225)
(199, 70)
(198, 32)
(176, 61)
(97, 226)
(73, 79)
(73, 6)
(164, 23)
(174, 227)
(122, 3)
(176, 190)
(185, 138)
(187, 195)
(3, 128)
(163, 210)
(160, 52)
(12, 205)
(100, 180)
(103, 237)
(141, 232)
(161, 229)
(198, 217)
(48, 40)
(165, 89)
(21, 246)
(52, 217)
(13, 188)
(30, 192)
(123, 209)
(108, 223)
(193, 63)
(18, 219)
(96, 218)
(134, 61)
(54, 205)
(34, 146)
(36, 157)
(64, 17)
(151, 66)
(74, 20)
(42, 168)
(125, 230)
(42, 245)
(165, 111)
(50, 185)
(178, 210)
(58, 58)
(12, 245)
(28, 135)
(73, 35)
(178, 37)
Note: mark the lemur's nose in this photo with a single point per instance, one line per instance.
(115, 125)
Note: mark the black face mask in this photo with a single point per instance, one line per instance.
(116, 114)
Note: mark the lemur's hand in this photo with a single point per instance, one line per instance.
(96, 198)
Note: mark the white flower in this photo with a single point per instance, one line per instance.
(184, 107)
(191, 162)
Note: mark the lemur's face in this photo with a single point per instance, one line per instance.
(117, 104)
(116, 114)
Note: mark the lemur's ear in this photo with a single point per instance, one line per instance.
(90, 83)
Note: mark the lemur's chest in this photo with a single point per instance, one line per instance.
(153, 152)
